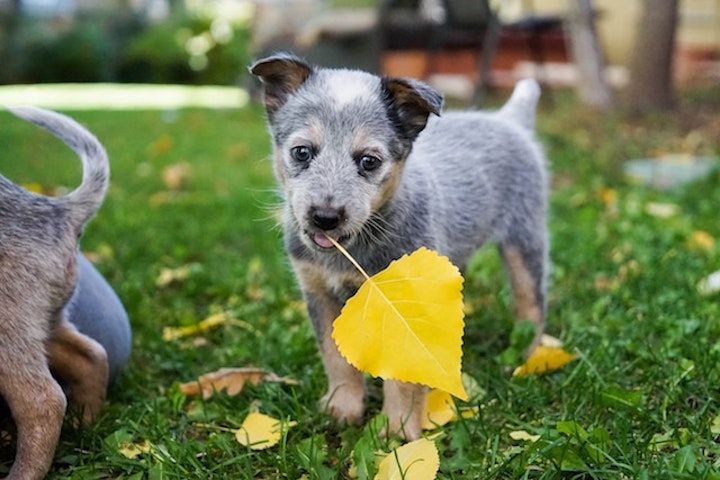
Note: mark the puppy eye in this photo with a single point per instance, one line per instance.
(302, 154)
(368, 163)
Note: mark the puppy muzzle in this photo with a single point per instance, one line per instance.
(326, 222)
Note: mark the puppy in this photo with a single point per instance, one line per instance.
(363, 160)
(38, 274)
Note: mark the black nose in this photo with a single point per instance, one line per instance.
(327, 218)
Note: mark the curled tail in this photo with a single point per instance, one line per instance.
(522, 103)
(87, 198)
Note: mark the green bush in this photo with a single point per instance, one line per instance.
(78, 54)
(163, 54)
(185, 49)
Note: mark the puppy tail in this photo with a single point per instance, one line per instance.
(522, 103)
(88, 197)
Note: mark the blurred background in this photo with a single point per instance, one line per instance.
(463, 47)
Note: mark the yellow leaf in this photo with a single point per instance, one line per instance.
(418, 460)
(406, 323)
(260, 431)
(439, 410)
(544, 359)
(524, 436)
(231, 380)
(607, 195)
(701, 241)
(161, 146)
(169, 276)
(133, 450)
(173, 333)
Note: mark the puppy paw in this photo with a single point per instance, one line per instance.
(346, 404)
(404, 425)
(404, 405)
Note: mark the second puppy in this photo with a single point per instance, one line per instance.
(38, 276)
(361, 159)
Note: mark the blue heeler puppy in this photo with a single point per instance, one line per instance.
(367, 161)
(38, 276)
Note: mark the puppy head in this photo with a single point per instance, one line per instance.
(340, 141)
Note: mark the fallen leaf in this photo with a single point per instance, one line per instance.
(411, 310)
(715, 426)
(217, 319)
(524, 436)
(161, 145)
(102, 253)
(607, 195)
(550, 341)
(545, 359)
(473, 388)
(177, 175)
(259, 431)
(230, 380)
(440, 410)
(169, 276)
(418, 460)
(701, 241)
(133, 450)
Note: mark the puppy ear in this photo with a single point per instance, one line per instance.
(412, 101)
(281, 75)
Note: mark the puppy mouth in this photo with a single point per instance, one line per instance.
(323, 241)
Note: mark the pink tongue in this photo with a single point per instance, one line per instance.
(322, 240)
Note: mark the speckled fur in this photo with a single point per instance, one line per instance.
(38, 274)
(449, 183)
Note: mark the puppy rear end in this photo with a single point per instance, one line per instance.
(38, 275)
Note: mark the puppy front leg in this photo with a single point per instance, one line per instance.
(404, 405)
(345, 397)
(37, 404)
(81, 364)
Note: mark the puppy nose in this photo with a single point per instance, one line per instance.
(327, 218)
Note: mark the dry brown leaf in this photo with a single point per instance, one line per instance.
(231, 380)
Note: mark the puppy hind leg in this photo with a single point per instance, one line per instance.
(37, 404)
(526, 269)
(81, 364)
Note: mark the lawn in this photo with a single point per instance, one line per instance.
(642, 400)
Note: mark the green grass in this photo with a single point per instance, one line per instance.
(639, 403)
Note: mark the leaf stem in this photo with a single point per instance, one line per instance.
(348, 256)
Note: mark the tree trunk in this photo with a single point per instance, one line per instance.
(651, 65)
(587, 55)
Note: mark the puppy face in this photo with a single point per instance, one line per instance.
(340, 140)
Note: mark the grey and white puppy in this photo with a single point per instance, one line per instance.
(38, 276)
(361, 159)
